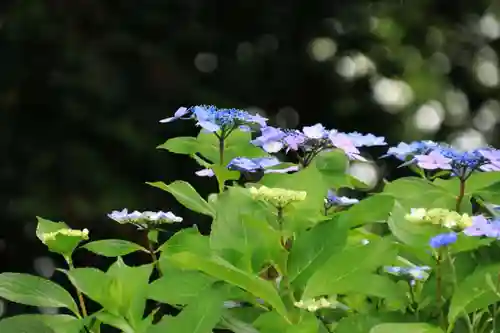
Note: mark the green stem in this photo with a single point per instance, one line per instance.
(324, 322)
(439, 292)
(79, 294)
(154, 258)
(460, 196)
(221, 150)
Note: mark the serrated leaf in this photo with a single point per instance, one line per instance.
(113, 247)
(61, 244)
(343, 267)
(35, 291)
(187, 196)
(372, 209)
(94, 283)
(313, 248)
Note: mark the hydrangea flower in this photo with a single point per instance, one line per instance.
(430, 155)
(313, 139)
(332, 199)
(313, 305)
(439, 216)
(414, 273)
(481, 226)
(278, 197)
(258, 164)
(443, 240)
(213, 119)
(143, 220)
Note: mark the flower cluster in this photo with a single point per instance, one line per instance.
(258, 164)
(143, 220)
(313, 139)
(430, 155)
(439, 216)
(278, 197)
(443, 240)
(418, 273)
(332, 199)
(481, 226)
(213, 119)
(83, 234)
(313, 305)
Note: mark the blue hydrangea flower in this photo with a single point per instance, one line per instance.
(481, 226)
(143, 220)
(443, 240)
(205, 173)
(434, 160)
(332, 199)
(366, 140)
(416, 272)
(258, 164)
(493, 158)
(213, 119)
(403, 150)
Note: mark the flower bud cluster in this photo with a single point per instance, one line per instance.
(277, 197)
(439, 216)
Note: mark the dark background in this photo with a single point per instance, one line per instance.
(83, 84)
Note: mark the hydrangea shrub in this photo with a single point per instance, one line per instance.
(287, 252)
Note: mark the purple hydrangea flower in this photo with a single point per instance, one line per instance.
(416, 272)
(493, 159)
(481, 226)
(333, 200)
(443, 240)
(366, 140)
(433, 160)
(182, 111)
(205, 173)
(258, 164)
(342, 141)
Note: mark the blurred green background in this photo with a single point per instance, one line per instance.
(83, 84)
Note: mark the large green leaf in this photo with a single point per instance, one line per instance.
(187, 196)
(406, 328)
(113, 247)
(271, 322)
(59, 323)
(200, 316)
(313, 248)
(179, 287)
(474, 292)
(95, 284)
(130, 289)
(186, 145)
(25, 324)
(372, 209)
(241, 227)
(35, 291)
(333, 166)
(221, 269)
(335, 275)
(357, 323)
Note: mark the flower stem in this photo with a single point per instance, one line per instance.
(439, 282)
(221, 150)
(79, 294)
(154, 258)
(460, 196)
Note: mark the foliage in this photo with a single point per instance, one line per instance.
(286, 253)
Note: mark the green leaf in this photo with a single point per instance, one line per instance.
(372, 209)
(343, 267)
(35, 291)
(187, 196)
(201, 315)
(179, 287)
(333, 166)
(95, 284)
(186, 145)
(357, 323)
(406, 328)
(131, 289)
(24, 324)
(313, 248)
(113, 247)
(221, 269)
(241, 227)
(115, 321)
(474, 292)
(477, 182)
(59, 323)
(271, 322)
(61, 244)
